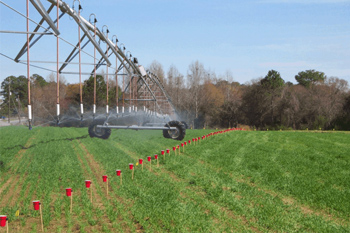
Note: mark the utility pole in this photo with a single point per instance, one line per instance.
(19, 115)
(9, 103)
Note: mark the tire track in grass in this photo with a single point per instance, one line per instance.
(22, 151)
(87, 171)
(12, 181)
(97, 171)
(188, 193)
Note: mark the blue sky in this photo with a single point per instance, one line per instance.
(247, 38)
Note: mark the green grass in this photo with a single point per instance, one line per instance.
(239, 181)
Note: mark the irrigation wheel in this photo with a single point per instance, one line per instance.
(177, 134)
(99, 132)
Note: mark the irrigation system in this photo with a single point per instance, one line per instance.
(142, 98)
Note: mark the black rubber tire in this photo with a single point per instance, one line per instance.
(177, 134)
(99, 133)
(165, 132)
(186, 126)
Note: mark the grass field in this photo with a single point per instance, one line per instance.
(241, 181)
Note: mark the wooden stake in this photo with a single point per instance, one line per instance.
(157, 162)
(121, 179)
(91, 193)
(7, 226)
(132, 174)
(150, 164)
(107, 186)
(41, 217)
(71, 202)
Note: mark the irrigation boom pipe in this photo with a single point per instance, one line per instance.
(134, 127)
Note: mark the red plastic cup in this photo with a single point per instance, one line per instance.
(118, 172)
(131, 166)
(162, 152)
(174, 148)
(192, 139)
(168, 151)
(155, 156)
(182, 145)
(189, 141)
(87, 183)
(149, 158)
(104, 178)
(69, 192)
(140, 161)
(36, 205)
(3, 219)
(196, 139)
(185, 143)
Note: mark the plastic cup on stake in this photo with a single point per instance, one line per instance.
(168, 151)
(174, 149)
(156, 158)
(119, 173)
(150, 162)
(3, 221)
(183, 148)
(88, 186)
(131, 167)
(163, 153)
(105, 180)
(69, 194)
(37, 206)
(141, 162)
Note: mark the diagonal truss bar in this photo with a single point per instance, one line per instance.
(100, 62)
(24, 48)
(84, 25)
(40, 8)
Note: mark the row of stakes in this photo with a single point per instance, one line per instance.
(69, 191)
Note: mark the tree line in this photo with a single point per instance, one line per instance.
(204, 99)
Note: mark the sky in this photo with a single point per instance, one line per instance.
(245, 38)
